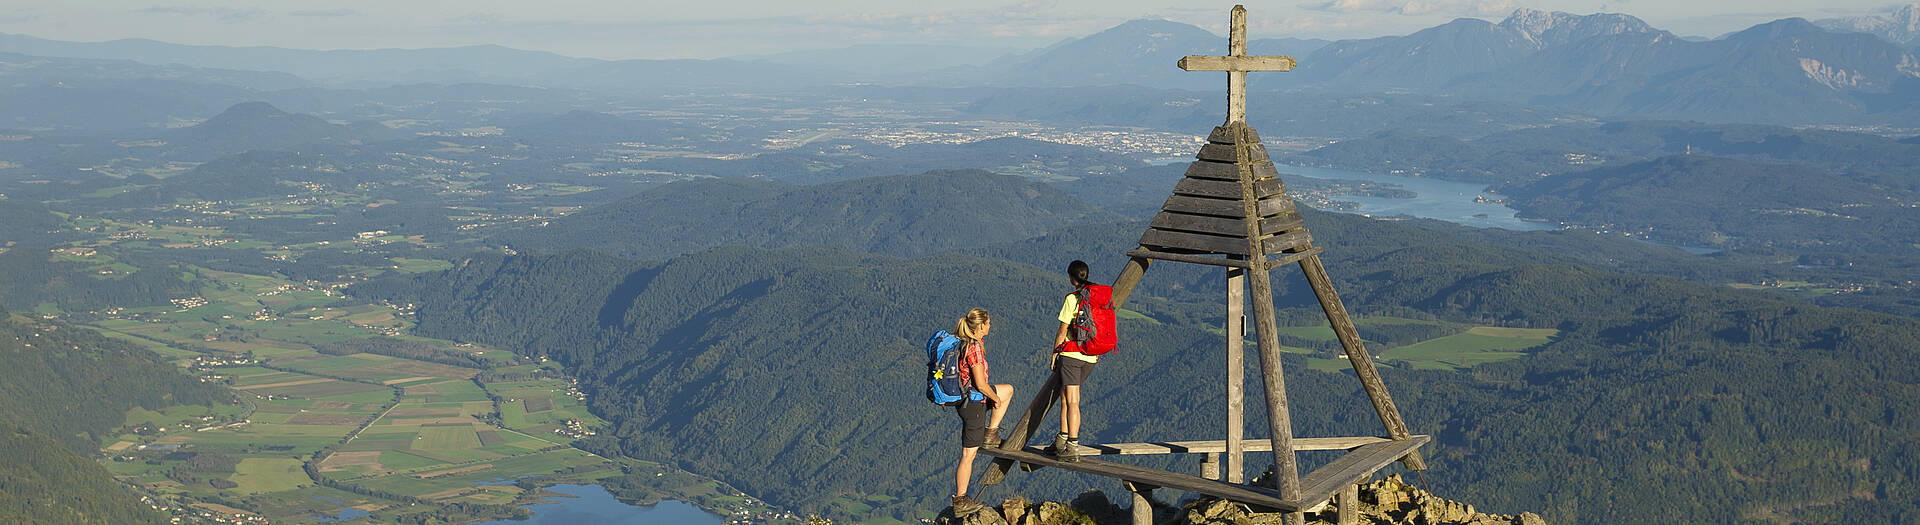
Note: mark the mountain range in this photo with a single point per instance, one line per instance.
(1900, 26)
(1787, 71)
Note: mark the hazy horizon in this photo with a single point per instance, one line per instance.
(589, 29)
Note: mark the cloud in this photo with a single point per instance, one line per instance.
(1416, 7)
(325, 12)
(223, 14)
(20, 16)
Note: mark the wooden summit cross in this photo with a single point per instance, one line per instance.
(1231, 210)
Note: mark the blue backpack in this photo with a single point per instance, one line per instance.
(944, 351)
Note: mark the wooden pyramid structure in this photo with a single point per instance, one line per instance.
(1231, 210)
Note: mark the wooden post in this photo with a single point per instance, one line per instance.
(1129, 276)
(1357, 355)
(1279, 422)
(1236, 375)
(1036, 412)
(1349, 505)
(1237, 79)
(1023, 429)
(1210, 466)
(1142, 502)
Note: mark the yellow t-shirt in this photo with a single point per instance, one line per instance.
(1067, 311)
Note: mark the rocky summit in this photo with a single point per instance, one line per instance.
(1390, 501)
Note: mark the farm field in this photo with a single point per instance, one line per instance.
(382, 434)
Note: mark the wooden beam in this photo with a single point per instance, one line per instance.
(1279, 420)
(1195, 259)
(1128, 278)
(1240, 63)
(1235, 444)
(1355, 466)
(1023, 428)
(1217, 446)
(1260, 497)
(1357, 355)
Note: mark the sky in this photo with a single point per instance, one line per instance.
(680, 29)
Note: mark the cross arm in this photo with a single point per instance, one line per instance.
(1237, 63)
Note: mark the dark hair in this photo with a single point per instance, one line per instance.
(1077, 270)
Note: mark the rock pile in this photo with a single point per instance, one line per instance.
(1389, 501)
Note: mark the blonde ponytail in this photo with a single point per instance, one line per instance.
(970, 323)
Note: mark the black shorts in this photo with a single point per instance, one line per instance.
(973, 423)
(1073, 372)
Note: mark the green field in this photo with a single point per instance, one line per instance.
(1479, 345)
(257, 475)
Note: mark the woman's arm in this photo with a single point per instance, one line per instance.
(979, 374)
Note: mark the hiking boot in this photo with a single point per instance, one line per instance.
(993, 438)
(1059, 442)
(1063, 449)
(963, 505)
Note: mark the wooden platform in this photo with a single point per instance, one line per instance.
(1256, 496)
(1217, 446)
(1368, 455)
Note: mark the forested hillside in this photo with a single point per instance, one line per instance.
(32, 278)
(1707, 201)
(906, 215)
(793, 373)
(65, 387)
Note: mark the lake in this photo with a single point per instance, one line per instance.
(1444, 200)
(592, 504)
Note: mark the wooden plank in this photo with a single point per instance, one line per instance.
(1194, 241)
(1227, 189)
(1255, 496)
(1282, 223)
(1224, 135)
(1287, 241)
(1239, 63)
(1357, 354)
(1202, 169)
(1293, 258)
(1226, 153)
(1230, 208)
(1195, 259)
(1356, 466)
(1222, 226)
(1213, 446)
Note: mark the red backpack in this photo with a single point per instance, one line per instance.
(1092, 330)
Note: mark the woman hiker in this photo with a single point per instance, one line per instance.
(977, 427)
(1076, 349)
